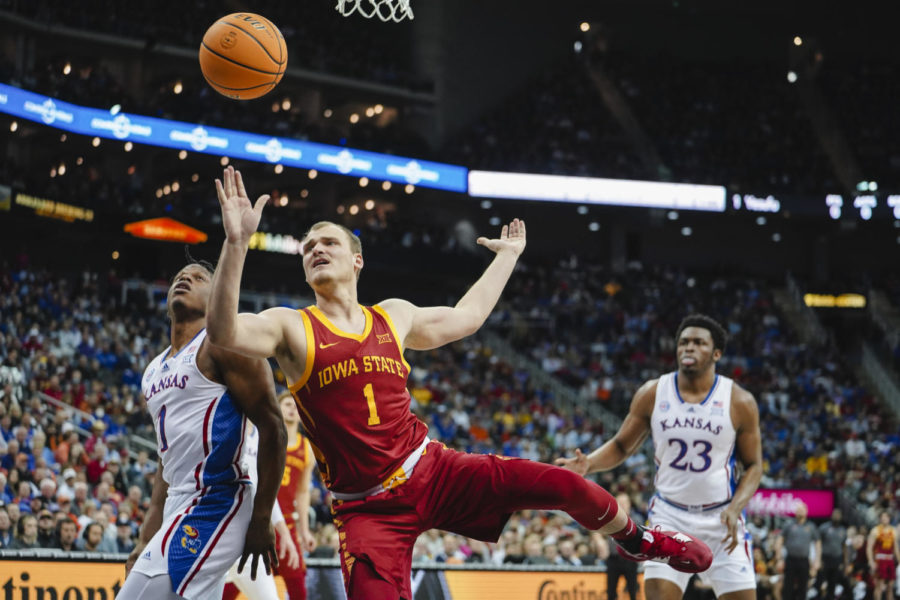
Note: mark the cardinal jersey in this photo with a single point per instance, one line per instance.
(694, 444)
(199, 429)
(354, 403)
(294, 466)
(885, 538)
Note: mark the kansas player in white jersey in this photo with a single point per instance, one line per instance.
(703, 425)
(203, 515)
(263, 587)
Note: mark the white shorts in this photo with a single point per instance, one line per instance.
(201, 536)
(728, 573)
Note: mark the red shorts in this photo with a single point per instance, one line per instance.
(470, 494)
(885, 568)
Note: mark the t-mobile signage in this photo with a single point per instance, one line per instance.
(783, 503)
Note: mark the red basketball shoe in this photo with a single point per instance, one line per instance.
(680, 551)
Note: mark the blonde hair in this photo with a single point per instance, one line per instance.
(355, 242)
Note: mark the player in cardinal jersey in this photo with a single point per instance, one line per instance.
(883, 550)
(263, 587)
(293, 496)
(202, 511)
(701, 424)
(348, 375)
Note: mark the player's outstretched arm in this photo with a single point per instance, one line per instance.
(632, 433)
(153, 518)
(749, 446)
(424, 328)
(250, 383)
(252, 335)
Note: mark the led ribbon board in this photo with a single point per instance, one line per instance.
(227, 142)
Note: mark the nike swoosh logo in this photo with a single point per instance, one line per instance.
(323, 346)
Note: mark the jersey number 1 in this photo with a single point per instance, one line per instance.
(374, 419)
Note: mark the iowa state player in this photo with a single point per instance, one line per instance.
(202, 511)
(701, 423)
(293, 496)
(883, 550)
(348, 374)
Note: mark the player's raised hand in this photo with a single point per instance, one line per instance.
(239, 217)
(512, 239)
(259, 542)
(578, 463)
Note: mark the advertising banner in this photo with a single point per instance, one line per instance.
(783, 503)
(228, 142)
(67, 579)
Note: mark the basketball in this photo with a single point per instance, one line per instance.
(243, 56)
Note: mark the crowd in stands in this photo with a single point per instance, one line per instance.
(69, 402)
(317, 37)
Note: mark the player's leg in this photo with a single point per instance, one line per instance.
(631, 582)
(477, 493)
(612, 580)
(663, 589)
(294, 579)
(139, 586)
(739, 595)
(377, 536)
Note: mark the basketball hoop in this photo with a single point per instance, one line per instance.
(386, 10)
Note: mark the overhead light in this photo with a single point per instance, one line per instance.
(223, 161)
(283, 201)
(385, 185)
(115, 255)
(67, 69)
(776, 237)
(370, 204)
(14, 125)
(378, 109)
(582, 210)
(167, 189)
(276, 107)
(672, 215)
(760, 220)
(327, 114)
(63, 138)
(486, 204)
(79, 161)
(53, 172)
(128, 146)
(594, 226)
(286, 104)
(95, 142)
(341, 209)
(798, 41)
(687, 231)
(62, 169)
(410, 188)
(354, 118)
(354, 209)
(182, 155)
(585, 27)
(116, 109)
(159, 193)
(791, 77)
(178, 88)
(363, 181)
(494, 221)
(279, 169)
(313, 173)
(304, 193)
(195, 177)
(176, 186)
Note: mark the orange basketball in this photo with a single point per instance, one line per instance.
(243, 56)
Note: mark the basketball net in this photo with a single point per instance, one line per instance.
(386, 10)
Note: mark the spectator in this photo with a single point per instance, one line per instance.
(47, 495)
(92, 537)
(46, 536)
(5, 492)
(27, 530)
(533, 552)
(6, 529)
(567, 555)
(124, 535)
(451, 554)
(67, 533)
(835, 553)
(68, 481)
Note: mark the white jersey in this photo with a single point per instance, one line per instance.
(200, 434)
(694, 444)
(199, 429)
